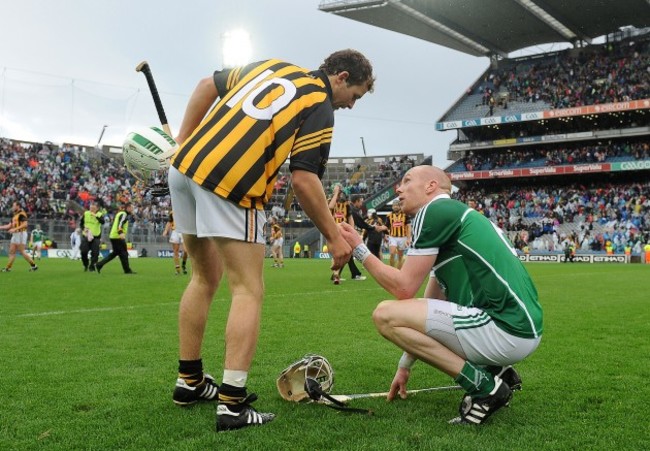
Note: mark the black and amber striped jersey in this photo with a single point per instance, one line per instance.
(172, 224)
(276, 232)
(341, 212)
(397, 224)
(267, 112)
(19, 221)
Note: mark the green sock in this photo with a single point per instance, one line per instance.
(476, 381)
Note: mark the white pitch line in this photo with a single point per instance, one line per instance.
(133, 307)
(90, 310)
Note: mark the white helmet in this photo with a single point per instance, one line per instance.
(292, 382)
(371, 211)
(147, 153)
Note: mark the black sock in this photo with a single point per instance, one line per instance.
(191, 371)
(232, 396)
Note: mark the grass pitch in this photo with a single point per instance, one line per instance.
(89, 362)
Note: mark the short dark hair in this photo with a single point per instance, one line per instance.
(355, 198)
(354, 63)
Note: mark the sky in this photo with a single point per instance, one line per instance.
(67, 68)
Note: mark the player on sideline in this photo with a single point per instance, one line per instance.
(277, 243)
(176, 240)
(399, 235)
(18, 229)
(342, 212)
(222, 176)
(482, 315)
(36, 242)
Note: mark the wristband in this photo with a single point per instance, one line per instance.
(361, 252)
(406, 361)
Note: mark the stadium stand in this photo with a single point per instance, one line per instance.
(55, 184)
(586, 160)
(553, 147)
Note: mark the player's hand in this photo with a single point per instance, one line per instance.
(350, 234)
(122, 236)
(398, 386)
(340, 251)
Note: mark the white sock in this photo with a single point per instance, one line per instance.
(235, 378)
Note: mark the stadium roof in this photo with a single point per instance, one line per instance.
(496, 27)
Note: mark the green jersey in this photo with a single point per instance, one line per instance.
(476, 265)
(37, 235)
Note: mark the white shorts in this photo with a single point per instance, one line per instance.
(397, 241)
(278, 243)
(200, 212)
(175, 237)
(484, 345)
(38, 244)
(19, 238)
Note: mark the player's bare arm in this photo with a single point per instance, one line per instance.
(335, 197)
(402, 283)
(204, 95)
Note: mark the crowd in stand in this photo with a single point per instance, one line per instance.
(56, 182)
(45, 179)
(618, 214)
(559, 155)
(357, 179)
(374, 181)
(613, 72)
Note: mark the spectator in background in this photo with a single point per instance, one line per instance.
(569, 251)
(75, 243)
(360, 223)
(374, 238)
(118, 234)
(91, 226)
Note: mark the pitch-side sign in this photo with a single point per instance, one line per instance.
(633, 165)
(579, 258)
(547, 114)
(385, 196)
(531, 172)
(67, 253)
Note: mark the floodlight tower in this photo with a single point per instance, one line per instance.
(236, 48)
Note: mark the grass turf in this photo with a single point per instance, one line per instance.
(89, 362)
